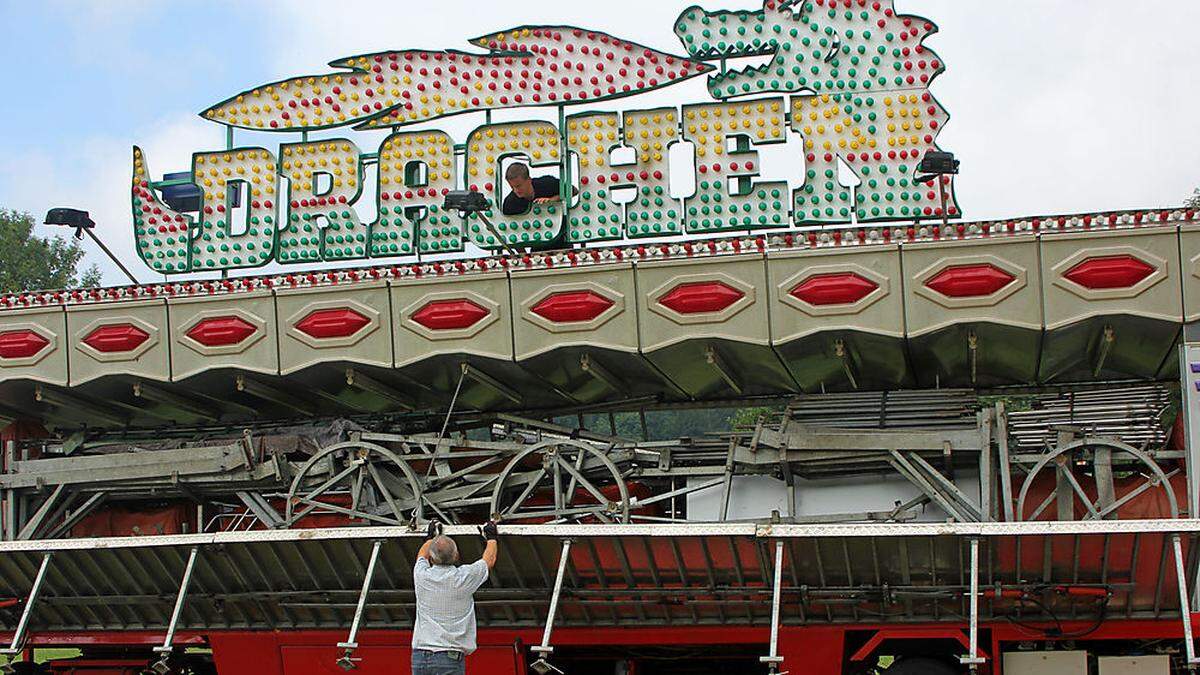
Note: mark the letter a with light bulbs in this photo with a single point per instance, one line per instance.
(839, 84)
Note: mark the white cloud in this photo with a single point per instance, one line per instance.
(96, 177)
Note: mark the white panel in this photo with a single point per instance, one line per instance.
(757, 496)
(1135, 665)
(1045, 663)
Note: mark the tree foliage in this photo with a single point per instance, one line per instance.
(1193, 202)
(29, 262)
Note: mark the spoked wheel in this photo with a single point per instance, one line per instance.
(560, 481)
(365, 481)
(1058, 460)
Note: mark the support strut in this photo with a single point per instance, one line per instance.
(18, 640)
(542, 666)
(973, 659)
(773, 659)
(1185, 608)
(166, 647)
(347, 661)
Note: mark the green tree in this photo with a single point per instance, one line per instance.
(29, 262)
(1193, 202)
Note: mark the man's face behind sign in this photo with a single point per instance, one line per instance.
(522, 187)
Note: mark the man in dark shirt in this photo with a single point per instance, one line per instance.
(527, 191)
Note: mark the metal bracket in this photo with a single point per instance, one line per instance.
(544, 650)
(18, 640)
(347, 661)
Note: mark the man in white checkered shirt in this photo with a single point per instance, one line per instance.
(444, 633)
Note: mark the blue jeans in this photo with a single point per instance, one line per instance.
(438, 663)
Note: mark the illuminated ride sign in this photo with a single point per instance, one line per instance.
(848, 78)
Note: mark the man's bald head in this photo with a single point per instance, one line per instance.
(443, 551)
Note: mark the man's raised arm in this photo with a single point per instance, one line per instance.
(490, 533)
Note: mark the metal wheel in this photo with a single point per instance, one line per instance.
(1103, 477)
(381, 487)
(565, 468)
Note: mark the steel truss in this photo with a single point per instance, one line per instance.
(528, 470)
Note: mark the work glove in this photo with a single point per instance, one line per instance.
(489, 531)
(434, 530)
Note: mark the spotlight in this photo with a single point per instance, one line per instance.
(938, 163)
(83, 224)
(466, 201)
(71, 218)
(934, 165)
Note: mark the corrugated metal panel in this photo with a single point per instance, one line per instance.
(618, 575)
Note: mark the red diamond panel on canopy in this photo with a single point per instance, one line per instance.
(701, 297)
(116, 339)
(450, 314)
(572, 306)
(1116, 271)
(21, 344)
(970, 281)
(838, 288)
(332, 323)
(222, 331)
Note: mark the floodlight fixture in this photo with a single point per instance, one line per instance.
(83, 224)
(934, 165)
(71, 218)
(467, 202)
(938, 163)
(180, 192)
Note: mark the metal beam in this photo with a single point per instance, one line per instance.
(773, 659)
(1006, 495)
(271, 394)
(492, 383)
(18, 638)
(365, 382)
(972, 658)
(63, 400)
(165, 648)
(260, 508)
(77, 515)
(591, 366)
(910, 473)
(839, 349)
(35, 521)
(1185, 610)
(713, 357)
(186, 404)
(347, 661)
(544, 650)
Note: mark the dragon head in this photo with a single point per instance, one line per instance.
(817, 46)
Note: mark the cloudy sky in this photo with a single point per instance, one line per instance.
(1057, 106)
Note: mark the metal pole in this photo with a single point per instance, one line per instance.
(971, 658)
(165, 648)
(543, 650)
(23, 625)
(351, 642)
(1185, 610)
(110, 255)
(773, 660)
